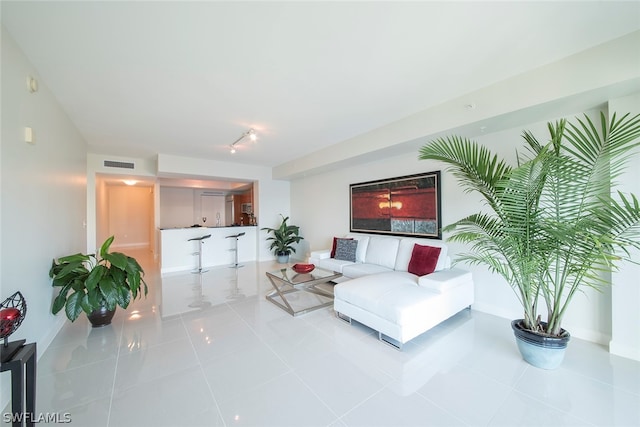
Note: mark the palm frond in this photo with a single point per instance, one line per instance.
(555, 227)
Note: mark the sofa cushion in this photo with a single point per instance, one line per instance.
(423, 259)
(393, 296)
(346, 250)
(442, 281)
(358, 270)
(332, 264)
(405, 250)
(363, 242)
(364, 291)
(335, 244)
(382, 251)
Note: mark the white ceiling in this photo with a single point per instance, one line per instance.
(188, 78)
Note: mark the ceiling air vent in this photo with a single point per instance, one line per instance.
(121, 165)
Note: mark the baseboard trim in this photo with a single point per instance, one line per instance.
(131, 245)
(577, 332)
(624, 350)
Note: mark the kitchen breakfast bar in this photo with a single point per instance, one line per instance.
(180, 247)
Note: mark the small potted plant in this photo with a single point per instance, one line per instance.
(283, 239)
(96, 284)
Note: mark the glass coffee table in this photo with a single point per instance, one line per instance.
(287, 281)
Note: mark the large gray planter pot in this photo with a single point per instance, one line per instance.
(539, 350)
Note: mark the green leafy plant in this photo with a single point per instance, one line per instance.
(89, 282)
(554, 225)
(284, 237)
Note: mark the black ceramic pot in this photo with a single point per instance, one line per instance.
(101, 317)
(540, 350)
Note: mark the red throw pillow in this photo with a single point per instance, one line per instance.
(335, 243)
(423, 259)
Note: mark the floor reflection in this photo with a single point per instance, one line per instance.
(191, 292)
(223, 364)
(435, 351)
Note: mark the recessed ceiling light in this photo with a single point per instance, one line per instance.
(469, 106)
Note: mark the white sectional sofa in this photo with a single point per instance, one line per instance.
(377, 290)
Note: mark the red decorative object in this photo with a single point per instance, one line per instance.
(12, 312)
(8, 316)
(303, 268)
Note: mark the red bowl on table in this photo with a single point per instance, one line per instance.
(303, 268)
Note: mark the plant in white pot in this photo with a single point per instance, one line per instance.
(283, 239)
(554, 224)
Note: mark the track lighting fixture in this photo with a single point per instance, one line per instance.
(251, 134)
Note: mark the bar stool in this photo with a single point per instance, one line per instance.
(199, 253)
(235, 249)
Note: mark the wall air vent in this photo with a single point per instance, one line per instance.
(121, 165)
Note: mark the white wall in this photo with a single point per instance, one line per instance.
(177, 207)
(183, 207)
(97, 193)
(101, 212)
(209, 206)
(43, 189)
(130, 216)
(625, 337)
(320, 204)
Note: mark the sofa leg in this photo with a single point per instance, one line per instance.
(390, 341)
(343, 317)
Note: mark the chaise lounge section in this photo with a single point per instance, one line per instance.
(379, 288)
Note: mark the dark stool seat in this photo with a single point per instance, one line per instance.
(199, 253)
(235, 249)
(200, 238)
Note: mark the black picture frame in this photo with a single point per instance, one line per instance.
(402, 206)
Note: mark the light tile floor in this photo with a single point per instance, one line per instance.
(209, 350)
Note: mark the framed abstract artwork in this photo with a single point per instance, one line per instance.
(402, 206)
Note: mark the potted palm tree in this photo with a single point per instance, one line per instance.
(554, 224)
(96, 284)
(283, 238)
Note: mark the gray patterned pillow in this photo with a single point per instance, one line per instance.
(346, 250)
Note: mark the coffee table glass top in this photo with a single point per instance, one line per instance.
(294, 278)
(287, 281)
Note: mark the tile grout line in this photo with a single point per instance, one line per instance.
(204, 376)
(115, 374)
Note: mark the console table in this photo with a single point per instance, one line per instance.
(25, 357)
